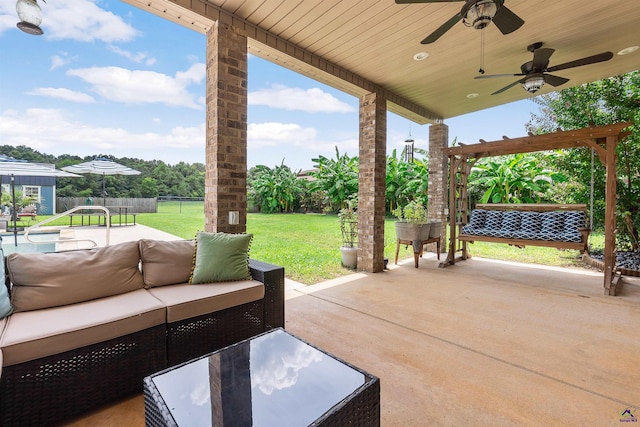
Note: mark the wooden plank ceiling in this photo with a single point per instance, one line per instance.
(358, 45)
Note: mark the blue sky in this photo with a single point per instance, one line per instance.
(109, 78)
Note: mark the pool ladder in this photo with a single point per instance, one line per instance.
(38, 226)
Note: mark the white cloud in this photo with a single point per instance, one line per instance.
(278, 134)
(83, 20)
(8, 16)
(139, 57)
(312, 100)
(53, 132)
(282, 136)
(58, 61)
(61, 93)
(143, 87)
(276, 364)
(201, 394)
(80, 20)
(195, 74)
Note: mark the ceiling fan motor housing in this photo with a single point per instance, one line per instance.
(479, 13)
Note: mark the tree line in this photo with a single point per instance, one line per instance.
(156, 178)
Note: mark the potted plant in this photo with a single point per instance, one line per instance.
(348, 218)
(413, 223)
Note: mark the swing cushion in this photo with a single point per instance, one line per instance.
(493, 224)
(510, 223)
(573, 222)
(476, 222)
(560, 226)
(552, 226)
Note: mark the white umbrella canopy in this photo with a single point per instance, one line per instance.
(12, 167)
(101, 166)
(20, 168)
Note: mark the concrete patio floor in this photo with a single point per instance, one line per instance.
(482, 342)
(479, 343)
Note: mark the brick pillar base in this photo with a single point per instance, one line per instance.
(438, 178)
(372, 182)
(226, 145)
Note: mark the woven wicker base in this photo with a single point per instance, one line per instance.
(51, 389)
(204, 334)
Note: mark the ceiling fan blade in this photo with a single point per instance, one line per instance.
(541, 58)
(507, 21)
(508, 87)
(601, 57)
(425, 1)
(490, 76)
(443, 29)
(554, 80)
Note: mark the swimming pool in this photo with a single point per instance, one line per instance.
(24, 246)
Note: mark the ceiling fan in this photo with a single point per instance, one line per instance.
(535, 71)
(477, 14)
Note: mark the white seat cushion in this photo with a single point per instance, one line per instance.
(34, 334)
(185, 301)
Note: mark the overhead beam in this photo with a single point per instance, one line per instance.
(550, 141)
(199, 15)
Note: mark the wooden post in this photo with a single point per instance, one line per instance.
(453, 167)
(610, 217)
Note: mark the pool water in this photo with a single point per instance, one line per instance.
(24, 246)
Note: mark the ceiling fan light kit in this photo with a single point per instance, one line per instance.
(478, 15)
(30, 16)
(534, 83)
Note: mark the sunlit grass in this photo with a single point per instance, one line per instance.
(308, 245)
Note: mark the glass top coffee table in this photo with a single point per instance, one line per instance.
(273, 379)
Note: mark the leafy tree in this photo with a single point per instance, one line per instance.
(612, 100)
(338, 178)
(149, 188)
(517, 178)
(274, 190)
(406, 181)
(311, 199)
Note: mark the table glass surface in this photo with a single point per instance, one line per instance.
(272, 380)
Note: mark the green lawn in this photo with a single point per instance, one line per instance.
(308, 245)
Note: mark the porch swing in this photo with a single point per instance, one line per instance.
(603, 140)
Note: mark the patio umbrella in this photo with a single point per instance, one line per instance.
(12, 168)
(101, 166)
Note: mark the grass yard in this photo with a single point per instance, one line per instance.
(308, 245)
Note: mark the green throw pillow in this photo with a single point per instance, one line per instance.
(221, 257)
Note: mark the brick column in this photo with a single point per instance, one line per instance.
(372, 182)
(226, 145)
(438, 177)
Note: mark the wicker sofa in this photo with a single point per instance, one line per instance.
(87, 326)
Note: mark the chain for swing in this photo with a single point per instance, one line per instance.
(592, 188)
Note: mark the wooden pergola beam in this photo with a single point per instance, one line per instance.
(530, 144)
